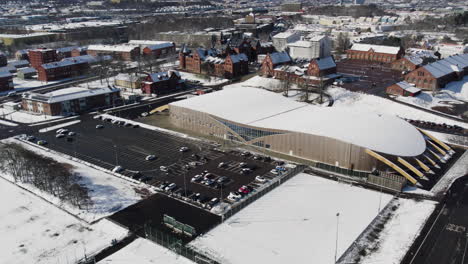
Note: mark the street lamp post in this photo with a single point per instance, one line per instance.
(336, 240)
(116, 156)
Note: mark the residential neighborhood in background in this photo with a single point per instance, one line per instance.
(327, 131)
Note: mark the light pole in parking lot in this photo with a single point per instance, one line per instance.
(116, 156)
(336, 241)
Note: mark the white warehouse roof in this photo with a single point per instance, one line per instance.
(376, 48)
(261, 108)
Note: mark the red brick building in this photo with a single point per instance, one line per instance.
(70, 100)
(3, 59)
(159, 50)
(274, 60)
(209, 61)
(120, 52)
(321, 67)
(375, 53)
(403, 89)
(436, 75)
(79, 51)
(162, 82)
(65, 52)
(40, 56)
(6, 81)
(407, 63)
(62, 69)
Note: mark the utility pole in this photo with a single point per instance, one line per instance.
(336, 241)
(116, 156)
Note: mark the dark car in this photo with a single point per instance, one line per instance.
(212, 203)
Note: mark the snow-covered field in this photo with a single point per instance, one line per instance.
(209, 80)
(259, 82)
(108, 193)
(400, 231)
(458, 89)
(295, 223)
(35, 231)
(142, 251)
(428, 101)
(375, 104)
(24, 116)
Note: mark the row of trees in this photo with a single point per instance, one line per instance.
(44, 173)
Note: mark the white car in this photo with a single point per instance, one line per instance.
(150, 157)
(60, 135)
(183, 149)
(62, 131)
(71, 133)
(164, 168)
(170, 187)
(117, 169)
(260, 179)
(234, 197)
(274, 171)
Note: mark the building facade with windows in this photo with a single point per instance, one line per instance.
(70, 100)
(375, 53)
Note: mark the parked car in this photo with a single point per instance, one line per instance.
(243, 164)
(163, 185)
(196, 178)
(234, 196)
(164, 168)
(256, 157)
(136, 126)
(260, 179)
(117, 169)
(222, 165)
(99, 126)
(42, 142)
(71, 134)
(137, 175)
(60, 135)
(150, 157)
(170, 187)
(30, 138)
(222, 179)
(208, 182)
(127, 125)
(274, 171)
(246, 171)
(244, 190)
(183, 149)
(62, 131)
(212, 203)
(245, 154)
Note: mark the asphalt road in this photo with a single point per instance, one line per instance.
(444, 239)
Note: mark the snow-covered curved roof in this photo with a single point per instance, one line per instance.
(261, 108)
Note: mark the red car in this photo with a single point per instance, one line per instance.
(244, 190)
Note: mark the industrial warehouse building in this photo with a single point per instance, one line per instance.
(358, 142)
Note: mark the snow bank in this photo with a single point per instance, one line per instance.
(34, 231)
(459, 169)
(51, 128)
(108, 193)
(458, 89)
(400, 231)
(6, 123)
(25, 117)
(373, 104)
(142, 251)
(294, 223)
(209, 80)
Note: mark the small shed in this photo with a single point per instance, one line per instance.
(403, 89)
(26, 73)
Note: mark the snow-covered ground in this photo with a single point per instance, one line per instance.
(204, 80)
(459, 169)
(260, 82)
(400, 231)
(428, 101)
(375, 104)
(54, 127)
(6, 123)
(142, 251)
(24, 116)
(295, 223)
(458, 89)
(35, 231)
(108, 193)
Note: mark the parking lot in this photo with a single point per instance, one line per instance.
(127, 147)
(373, 78)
